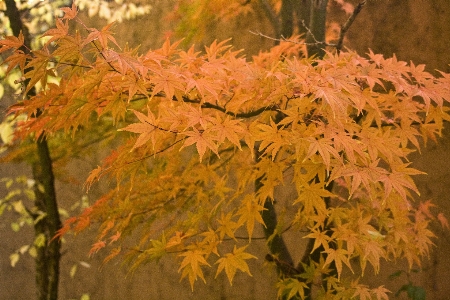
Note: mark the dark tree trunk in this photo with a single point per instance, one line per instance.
(287, 17)
(303, 12)
(310, 17)
(48, 256)
(278, 250)
(316, 28)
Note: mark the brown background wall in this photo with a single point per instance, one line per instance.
(416, 30)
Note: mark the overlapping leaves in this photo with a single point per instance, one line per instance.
(195, 122)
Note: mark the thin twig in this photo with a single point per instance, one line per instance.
(283, 39)
(338, 46)
(316, 42)
(348, 23)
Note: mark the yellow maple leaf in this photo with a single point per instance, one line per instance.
(233, 262)
(191, 265)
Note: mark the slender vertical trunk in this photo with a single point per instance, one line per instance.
(277, 247)
(303, 12)
(316, 32)
(279, 252)
(48, 256)
(311, 18)
(272, 17)
(287, 17)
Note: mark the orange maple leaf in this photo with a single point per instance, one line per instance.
(17, 58)
(65, 228)
(324, 147)
(339, 256)
(381, 293)
(147, 128)
(320, 238)
(94, 175)
(12, 42)
(443, 220)
(61, 30)
(424, 207)
(115, 237)
(114, 252)
(70, 12)
(228, 129)
(102, 36)
(203, 140)
(96, 247)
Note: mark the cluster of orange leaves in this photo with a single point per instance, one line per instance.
(199, 128)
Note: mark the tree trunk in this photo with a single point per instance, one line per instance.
(311, 17)
(316, 28)
(279, 252)
(303, 12)
(287, 17)
(272, 17)
(48, 256)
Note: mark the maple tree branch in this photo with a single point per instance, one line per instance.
(71, 64)
(160, 128)
(283, 39)
(260, 237)
(287, 268)
(277, 246)
(311, 35)
(347, 24)
(104, 57)
(208, 105)
(241, 115)
(244, 115)
(147, 156)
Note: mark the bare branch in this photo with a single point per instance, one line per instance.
(338, 45)
(283, 39)
(348, 23)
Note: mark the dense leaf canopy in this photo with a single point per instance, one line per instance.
(198, 129)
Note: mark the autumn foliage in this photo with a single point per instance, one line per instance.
(198, 129)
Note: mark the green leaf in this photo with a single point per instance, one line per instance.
(395, 274)
(41, 188)
(15, 226)
(40, 240)
(40, 217)
(73, 271)
(33, 252)
(14, 258)
(9, 182)
(416, 292)
(295, 287)
(30, 194)
(85, 297)
(404, 288)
